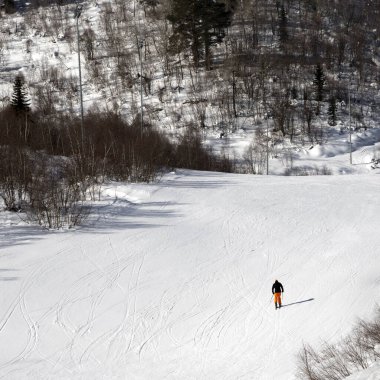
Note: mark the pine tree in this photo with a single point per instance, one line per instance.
(9, 6)
(332, 110)
(283, 28)
(198, 24)
(150, 3)
(319, 82)
(19, 98)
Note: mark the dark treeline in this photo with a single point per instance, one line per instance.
(50, 166)
(106, 145)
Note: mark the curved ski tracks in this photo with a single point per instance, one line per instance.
(219, 312)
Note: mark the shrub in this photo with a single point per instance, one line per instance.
(255, 156)
(334, 362)
(15, 177)
(56, 198)
(50, 165)
(307, 171)
(190, 153)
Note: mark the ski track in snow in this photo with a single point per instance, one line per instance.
(183, 299)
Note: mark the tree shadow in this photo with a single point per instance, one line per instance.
(123, 214)
(19, 235)
(200, 180)
(119, 214)
(7, 278)
(103, 218)
(298, 302)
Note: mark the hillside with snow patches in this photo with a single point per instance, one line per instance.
(172, 280)
(41, 44)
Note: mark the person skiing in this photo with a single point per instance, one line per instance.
(277, 289)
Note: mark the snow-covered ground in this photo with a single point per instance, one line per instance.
(372, 373)
(173, 280)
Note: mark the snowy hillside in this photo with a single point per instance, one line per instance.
(255, 73)
(173, 280)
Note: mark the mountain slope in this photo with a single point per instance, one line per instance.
(172, 280)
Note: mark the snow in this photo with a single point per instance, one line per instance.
(172, 280)
(372, 373)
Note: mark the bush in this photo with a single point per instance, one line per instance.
(56, 197)
(190, 153)
(15, 177)
(335, 362)
(49, 166)
(307, 171)
(255, 156)
(46, 189)
(57, 203)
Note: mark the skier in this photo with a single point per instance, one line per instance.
(277, 289)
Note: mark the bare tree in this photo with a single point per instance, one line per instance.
(338, 361)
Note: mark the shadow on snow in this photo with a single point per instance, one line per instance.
(121, 213)
(296, 303)
(7, 278)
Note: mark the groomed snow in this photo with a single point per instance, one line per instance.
(173, 280)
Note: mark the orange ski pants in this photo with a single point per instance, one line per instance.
(277, 298)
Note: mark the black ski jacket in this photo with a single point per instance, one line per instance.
(277, 287)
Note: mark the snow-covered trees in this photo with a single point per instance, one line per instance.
(212, 65)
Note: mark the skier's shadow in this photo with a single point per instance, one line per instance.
(296, 303)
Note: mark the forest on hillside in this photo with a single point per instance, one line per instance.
(164, 74)
(297, 62)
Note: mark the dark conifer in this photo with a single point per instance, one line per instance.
(9, 6)
(319, 82)
(283, 28)
(19, 98)
(332, 110)
(150, 3)
(198, 24)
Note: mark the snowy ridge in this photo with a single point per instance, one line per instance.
(172, 280)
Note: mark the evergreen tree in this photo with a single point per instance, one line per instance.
(332, 110)
(283, 28)
(9, 6)
(198, 24)
(319, 82)
(19, 98)
(150, 3)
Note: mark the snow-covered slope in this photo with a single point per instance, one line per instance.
(173, 280)
(372, 373)
(41, 45)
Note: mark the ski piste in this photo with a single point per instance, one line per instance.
(172, 280)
